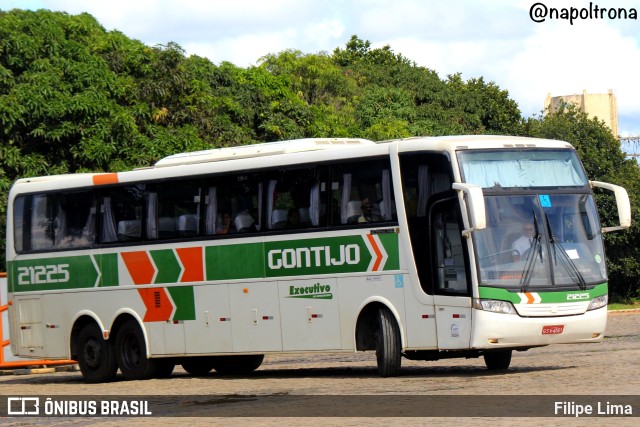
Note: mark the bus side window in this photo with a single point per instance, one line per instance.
(42, 222)
(293, 199)
(363, 192)
(173, 210)
(121, 214)
(75, 219)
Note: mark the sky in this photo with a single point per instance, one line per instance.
(582, 46)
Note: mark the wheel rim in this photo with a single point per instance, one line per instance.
(92, 353)
(131, 354)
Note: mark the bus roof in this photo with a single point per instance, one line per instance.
(297, 152)
(260, 150)
(475, 142)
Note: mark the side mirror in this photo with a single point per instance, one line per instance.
(476, 216)
(622, 201)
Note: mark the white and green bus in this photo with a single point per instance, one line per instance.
(212, 259)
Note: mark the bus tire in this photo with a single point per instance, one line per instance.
(131, 353)
(96, 356)
(388, 345)
(164, 368)
(237, 365)
(198, 365)
(497, 360)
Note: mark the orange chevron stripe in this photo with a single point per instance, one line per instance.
(140, 267)
(192, 261)
(530, 298)
(158, 304)
(376, 249)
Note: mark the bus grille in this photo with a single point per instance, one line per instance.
(552, 310)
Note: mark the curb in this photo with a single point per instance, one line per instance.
(40, 370)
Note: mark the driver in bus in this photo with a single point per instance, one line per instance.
(523, 243)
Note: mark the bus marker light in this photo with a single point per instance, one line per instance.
(493, 340)
(267, 317)
(225, 319)
(425, 316)
(245, 290)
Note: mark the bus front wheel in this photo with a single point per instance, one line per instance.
(96, 356)
(497, 360)
(131, 353)
(388, 345)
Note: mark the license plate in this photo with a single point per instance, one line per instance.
(552, 329)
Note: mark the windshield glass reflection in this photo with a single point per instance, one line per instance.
(538, 241)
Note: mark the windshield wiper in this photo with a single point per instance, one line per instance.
(527, 273)
(572, 268)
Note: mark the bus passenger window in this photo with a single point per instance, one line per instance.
(75, 220)
(121, 214)
(173, 210)
(293, 200)
(364, 192)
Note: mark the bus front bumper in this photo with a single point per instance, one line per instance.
(496, 330)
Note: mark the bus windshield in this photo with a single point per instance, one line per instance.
(537, 241)
(522, 168)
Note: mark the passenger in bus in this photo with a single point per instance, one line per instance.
(367, 212)
(226, 225)
(523, 243)
(293, 218)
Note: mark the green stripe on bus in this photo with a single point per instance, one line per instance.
(108, 265)
(167, 266)
(52, 274)
(332, 255)
(242, 261)
(546, 297)
(184, 301)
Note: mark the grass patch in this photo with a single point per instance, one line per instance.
(625, 306)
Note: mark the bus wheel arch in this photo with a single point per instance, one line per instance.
(378, 328)
(95, 355)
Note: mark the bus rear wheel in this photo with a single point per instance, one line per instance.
(96, 356)
(164, 368)
(237, 365)
(198, 365)
(497, 360)
(131, 353)
(388, 345)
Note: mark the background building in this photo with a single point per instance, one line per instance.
(603, 106)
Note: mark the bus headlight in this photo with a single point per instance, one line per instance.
(495, 306)
(598, 302)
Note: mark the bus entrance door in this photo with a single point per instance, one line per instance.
(452, 296)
